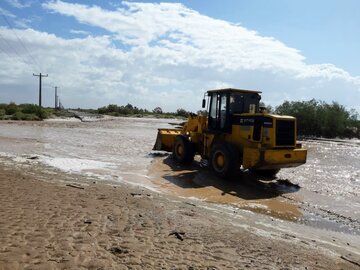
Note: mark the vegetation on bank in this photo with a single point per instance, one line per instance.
(130, 110)
(33, 112)
(23, 112)
(319, 119)
(314, 118)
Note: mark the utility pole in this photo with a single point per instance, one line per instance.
(40, 76)
(56, 97)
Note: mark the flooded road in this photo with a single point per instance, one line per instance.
(323, 193)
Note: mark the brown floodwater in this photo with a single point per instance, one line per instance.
(323, 193)
(243, 191)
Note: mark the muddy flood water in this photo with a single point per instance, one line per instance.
(323, 193)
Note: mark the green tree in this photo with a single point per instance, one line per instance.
(317, 118)
(182, 112)
(157, 110)
(112, 108)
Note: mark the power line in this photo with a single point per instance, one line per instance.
(13, 49)
(34, 62)
(20, 41)
(5, 51)
(51, 85)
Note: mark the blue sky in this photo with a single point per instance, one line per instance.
(289, 49)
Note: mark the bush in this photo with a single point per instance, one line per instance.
(2, 114)
(30, 108)
(35, 110)
(42, 114)
(24, 116)
(11, 109)
(115, 110)
(18, 116)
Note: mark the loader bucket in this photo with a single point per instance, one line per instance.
(165, 139)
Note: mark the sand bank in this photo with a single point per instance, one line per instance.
(48, 222)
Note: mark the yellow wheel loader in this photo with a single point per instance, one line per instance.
(235, 132)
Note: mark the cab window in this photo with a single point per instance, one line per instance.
(219, 113)
(223, 112)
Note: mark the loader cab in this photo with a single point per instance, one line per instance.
(225, 103)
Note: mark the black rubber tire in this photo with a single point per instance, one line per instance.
(271, 173)
(183, 150)
(224, 160)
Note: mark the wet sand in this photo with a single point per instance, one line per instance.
(48, 222)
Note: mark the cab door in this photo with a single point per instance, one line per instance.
(219, 112)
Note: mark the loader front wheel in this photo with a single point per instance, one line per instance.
(183, 151)
(223, 160)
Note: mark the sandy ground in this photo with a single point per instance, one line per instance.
(46, 223)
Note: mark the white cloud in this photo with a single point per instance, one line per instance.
(19, 3)
(79, 32)
(167, 55)
(22, 23)
(7, 13)
(177, 32)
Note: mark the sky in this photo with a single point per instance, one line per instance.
(167, 54)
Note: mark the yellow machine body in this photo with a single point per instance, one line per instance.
(260, 141)
(165, 139)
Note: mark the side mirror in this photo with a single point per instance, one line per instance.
(203, 103)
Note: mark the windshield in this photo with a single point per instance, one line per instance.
(244, 102)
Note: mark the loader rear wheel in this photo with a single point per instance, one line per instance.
(223, 160)
(183, 151)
